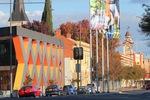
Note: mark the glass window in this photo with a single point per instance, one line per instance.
(5, 53)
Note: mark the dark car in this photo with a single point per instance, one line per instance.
(53, 90)
(69, 89)
(147, 86)
(82, 90)
(1, 92)
(27, 91)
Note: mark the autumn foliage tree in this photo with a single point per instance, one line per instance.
(82, 27)
(133, 73)
(41, 27)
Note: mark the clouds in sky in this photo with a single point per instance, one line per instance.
(4, 19)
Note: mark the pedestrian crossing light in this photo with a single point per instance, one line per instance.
(78, 53)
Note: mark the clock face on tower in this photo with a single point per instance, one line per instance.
(127, 47)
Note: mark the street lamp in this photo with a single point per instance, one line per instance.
(10, 51)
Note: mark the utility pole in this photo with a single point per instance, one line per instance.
(11, 83)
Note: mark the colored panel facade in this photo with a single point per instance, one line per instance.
(38, 55)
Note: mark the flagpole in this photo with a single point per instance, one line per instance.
(103, 64)
(97, 60)
(107, 66)
(90, 54)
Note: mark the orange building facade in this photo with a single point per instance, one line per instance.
(34, 54)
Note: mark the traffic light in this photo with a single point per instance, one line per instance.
(78, 53)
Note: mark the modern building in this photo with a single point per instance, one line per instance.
(33, 53)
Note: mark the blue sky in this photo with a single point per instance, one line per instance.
(77, 10)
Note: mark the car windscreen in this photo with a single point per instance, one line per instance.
(68, 86)
(52, 86)
(89, 85)
(82, 87)
(26, 87)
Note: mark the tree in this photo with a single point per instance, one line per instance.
(76, 28)
(145, 23)
(82, 27)
(28, 80)
(47, 16)
(133, 73)
(116, 68)
(52, 82)
(37, 26)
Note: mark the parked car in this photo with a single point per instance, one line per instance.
(147, 86)
(93, 88)
(1, 92)
(53, 90)
(27, 91)
(82, 90)
(69, 89)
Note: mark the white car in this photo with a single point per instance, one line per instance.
(94, 87)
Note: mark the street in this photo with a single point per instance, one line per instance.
(125, 95)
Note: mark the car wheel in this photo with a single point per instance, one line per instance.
(59, 93)
(46, 95)
(34, 94)
(65, 92)
(40, 94)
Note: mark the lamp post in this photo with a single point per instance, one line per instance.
(10, 51)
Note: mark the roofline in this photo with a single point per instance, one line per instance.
(19, 31)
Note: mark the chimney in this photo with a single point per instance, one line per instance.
(68, 35)
(58, 32)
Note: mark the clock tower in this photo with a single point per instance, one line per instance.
(128, 44)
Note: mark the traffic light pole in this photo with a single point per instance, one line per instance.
(78, 55)
(78, 75)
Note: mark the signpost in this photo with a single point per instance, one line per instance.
(78, 55)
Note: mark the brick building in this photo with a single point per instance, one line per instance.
(70, 63)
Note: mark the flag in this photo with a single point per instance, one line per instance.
(97, 14)
(112, 19)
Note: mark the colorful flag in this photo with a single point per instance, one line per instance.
(112, 19)
(105, 17)
(97, 14)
